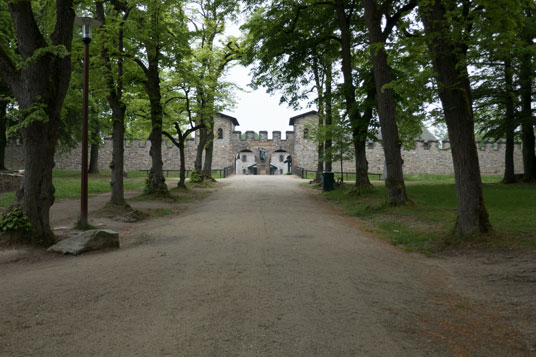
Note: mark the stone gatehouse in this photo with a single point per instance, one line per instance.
(248, 154)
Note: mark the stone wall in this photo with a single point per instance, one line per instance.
(10, 181)
(430, 157)
(305, 148)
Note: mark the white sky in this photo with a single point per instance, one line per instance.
(256, 110)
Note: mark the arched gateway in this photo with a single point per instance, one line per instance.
(259, 155)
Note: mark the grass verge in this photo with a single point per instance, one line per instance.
(425, 226)
(67, 185)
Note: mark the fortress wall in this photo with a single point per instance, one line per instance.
(430, 158)
(425, 157)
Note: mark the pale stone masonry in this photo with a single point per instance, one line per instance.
(427, 156)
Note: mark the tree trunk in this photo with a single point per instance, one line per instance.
(182, 173)
(360, 129)
(509, 171)
(118, 149)
(329, 118)
(360, 147)
(455, 95)
(320, 103)
(386, 106)
(209, 150)
(3, 137)
(198, 165)
(39, 88)
(94, 153)
(527, 121)
(156, 181)
(115, 94)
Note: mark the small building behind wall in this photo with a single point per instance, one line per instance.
(279, 161)
(244, 160)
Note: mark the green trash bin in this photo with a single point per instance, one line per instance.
(328, 181)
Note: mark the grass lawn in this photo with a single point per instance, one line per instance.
(429, 178)
(425, 225)
(67, 184)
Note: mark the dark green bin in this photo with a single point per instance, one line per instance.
(328, 181)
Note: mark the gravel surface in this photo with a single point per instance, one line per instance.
(261, 268)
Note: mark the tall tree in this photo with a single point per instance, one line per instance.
(112, 47)
(182, 133)
(38, 75)
(385, 95)
(209, 18)
(526, 81)
(319, 84)
(360, 123)
(159, 29)
(447, 33)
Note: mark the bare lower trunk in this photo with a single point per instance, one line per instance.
(3, 137)
(209, 151)
(529, 160)
(156, 180)
(182, 173)
(94, 159)
(320, 161)
(94, 153)
(117, 165)
(198, 165)
(36, 196)
(509, 170)
(329, 119)
(455, 95)
(386, 107)
(361, 164)
(320, 105)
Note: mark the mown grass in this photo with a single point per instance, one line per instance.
(429, 178)
(67, 185)
(426, 225)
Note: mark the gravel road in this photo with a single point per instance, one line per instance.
(260, 268)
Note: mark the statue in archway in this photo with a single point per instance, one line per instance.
(288, 161)
(262, 155)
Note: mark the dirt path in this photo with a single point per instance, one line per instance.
(258, 269)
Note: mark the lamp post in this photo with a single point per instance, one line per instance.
(86, 23)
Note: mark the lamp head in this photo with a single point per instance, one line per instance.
(86, 23)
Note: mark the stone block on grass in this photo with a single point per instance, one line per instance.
(95, 239)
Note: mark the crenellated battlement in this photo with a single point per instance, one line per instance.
(426, 156)
(263, 136)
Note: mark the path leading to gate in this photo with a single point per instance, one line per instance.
(259, 268)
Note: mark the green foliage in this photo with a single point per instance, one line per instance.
(195, 176)
(15, 221)
(67, 185)
(58, 51)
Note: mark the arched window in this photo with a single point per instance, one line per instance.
(305, 133)
(220, 133)
(281, 158)
(244, 158)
